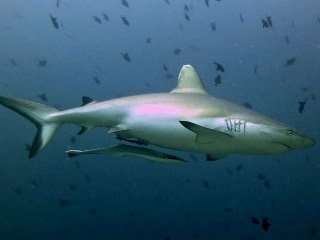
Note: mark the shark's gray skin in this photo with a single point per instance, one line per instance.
(186, 119)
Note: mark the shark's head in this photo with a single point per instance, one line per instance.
(292, 138)
(283, 138)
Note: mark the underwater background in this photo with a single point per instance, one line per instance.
(57, 51)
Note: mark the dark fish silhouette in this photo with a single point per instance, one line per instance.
(169, 76)
(228, 209)
(239, 167)
(167, 2)
(64, 202)
(58, 3)
(302, 105)
(255, 70)
(73, 140)
(43, 97)
(241, 18)
(269, 21)
(18, 191)
(313, 97)
(255, 220)
(217, 80)
(247, 105)
(125, 3)
(219, 67)
(125, 20)
(148, 40)
(164, 67)
(97, 19)
(291, 61)
(34, 184)
(286, 38)
(177, 51)
(266, 184)
(205, 183)
(314, 232)
(42, 63)
(72, 187)
(54, 22)
(318, 18)
(186, 16)
(265, 224)
(93, 212)
(126, 57)
(196, 235)
(105, 16)
(186, 8)
(213, 26)
(261, 177)
(96, 79)
(13, 62)
(207, 3)
(264, 23)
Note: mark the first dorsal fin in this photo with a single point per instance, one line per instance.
(87, 100)
(189, 81)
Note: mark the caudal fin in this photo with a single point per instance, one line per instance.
(39, 115)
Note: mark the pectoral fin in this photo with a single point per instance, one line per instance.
(128, 150)
(204, 134)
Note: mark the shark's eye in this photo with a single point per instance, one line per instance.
(290, 131)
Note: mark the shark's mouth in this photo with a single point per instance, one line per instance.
(283, 144)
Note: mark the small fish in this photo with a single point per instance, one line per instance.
(261, 177)
(314, 232)
(169, 76)
(54, 22)
(125, 20)
(43, 97)
(126, 57)
(164, 67)
(304, 89)
(265, 224)
(13, 62)
(302, 105)
(264, 23)
(217, 80)
(196, 235)
(73, 140)
(167, 2)
(255, 70)
(291, 61)
(97, 19)
(72, 187)
(239, 167)
(42, 63)
(213, 26)
(313, 97)
(228, 209)
(64, 202)
(318, 18)
(186, 8)
(96, 79)
(207, 3)
(247, 105)
(58, 3)
(205, 183)
(266, 184)
(286, 38)
(105, 17)
(18, 191)
(269, 21)
(219, 67)
(93, 212)
(148, 40)
(34, 184)
(241, 18)
(125, 3)
(186, 16)
(177, 51)
(255, 220)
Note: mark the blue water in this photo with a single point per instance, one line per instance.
(102, 197)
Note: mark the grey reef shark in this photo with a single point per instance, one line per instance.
(186, 119)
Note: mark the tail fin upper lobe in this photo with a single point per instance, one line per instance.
(39, 115)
